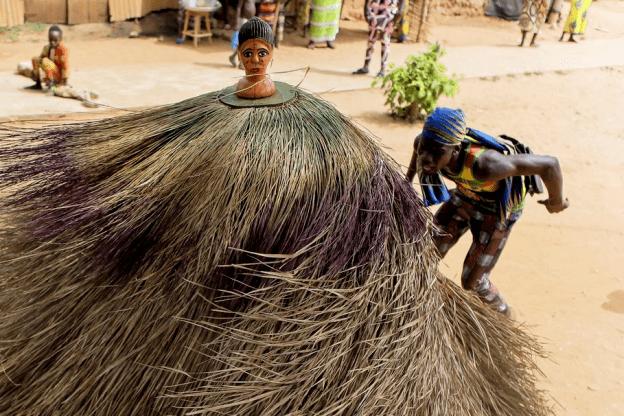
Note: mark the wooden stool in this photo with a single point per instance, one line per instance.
(197, 13)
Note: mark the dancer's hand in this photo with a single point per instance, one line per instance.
(555, 205)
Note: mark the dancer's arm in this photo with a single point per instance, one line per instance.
(493, 166)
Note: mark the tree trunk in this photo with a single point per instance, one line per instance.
(413, 113)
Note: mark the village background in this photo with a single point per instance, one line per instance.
(561, 273)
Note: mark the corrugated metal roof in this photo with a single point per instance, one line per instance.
(128, 9)
(11, 12)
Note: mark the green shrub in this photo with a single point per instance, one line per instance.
(412, 91)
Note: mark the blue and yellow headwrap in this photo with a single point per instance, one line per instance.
(446, 126)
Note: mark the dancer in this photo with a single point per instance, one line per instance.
(492, 178)
(576, 23)
(324, 22)
(238, 256)
(380, 15)
(531, 20)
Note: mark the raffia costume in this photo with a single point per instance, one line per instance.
(223, 256)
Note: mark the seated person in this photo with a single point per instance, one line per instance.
(51, 67)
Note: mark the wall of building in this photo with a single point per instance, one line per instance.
(15, 12)
(11, 13)
(458, 7)
(128, 9)
(353, 9)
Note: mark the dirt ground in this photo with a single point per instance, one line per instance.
(561, 273)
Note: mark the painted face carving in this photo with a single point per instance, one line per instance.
(256, 55)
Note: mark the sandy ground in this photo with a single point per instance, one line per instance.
(561, 272)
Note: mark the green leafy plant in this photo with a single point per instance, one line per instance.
(412, 91)
(36, 27)
(11, 33)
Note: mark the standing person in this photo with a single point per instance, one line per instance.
(554, 13)
(531, 19)
(324, 22)
(303, 16)
(245, 10)
(492, 178)
(181, 8)
(380, 15)
(51, 67)
(402, 27)
(576, 22)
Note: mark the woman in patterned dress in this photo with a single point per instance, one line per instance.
(531, 19)
(577, 19)
(324, 22)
